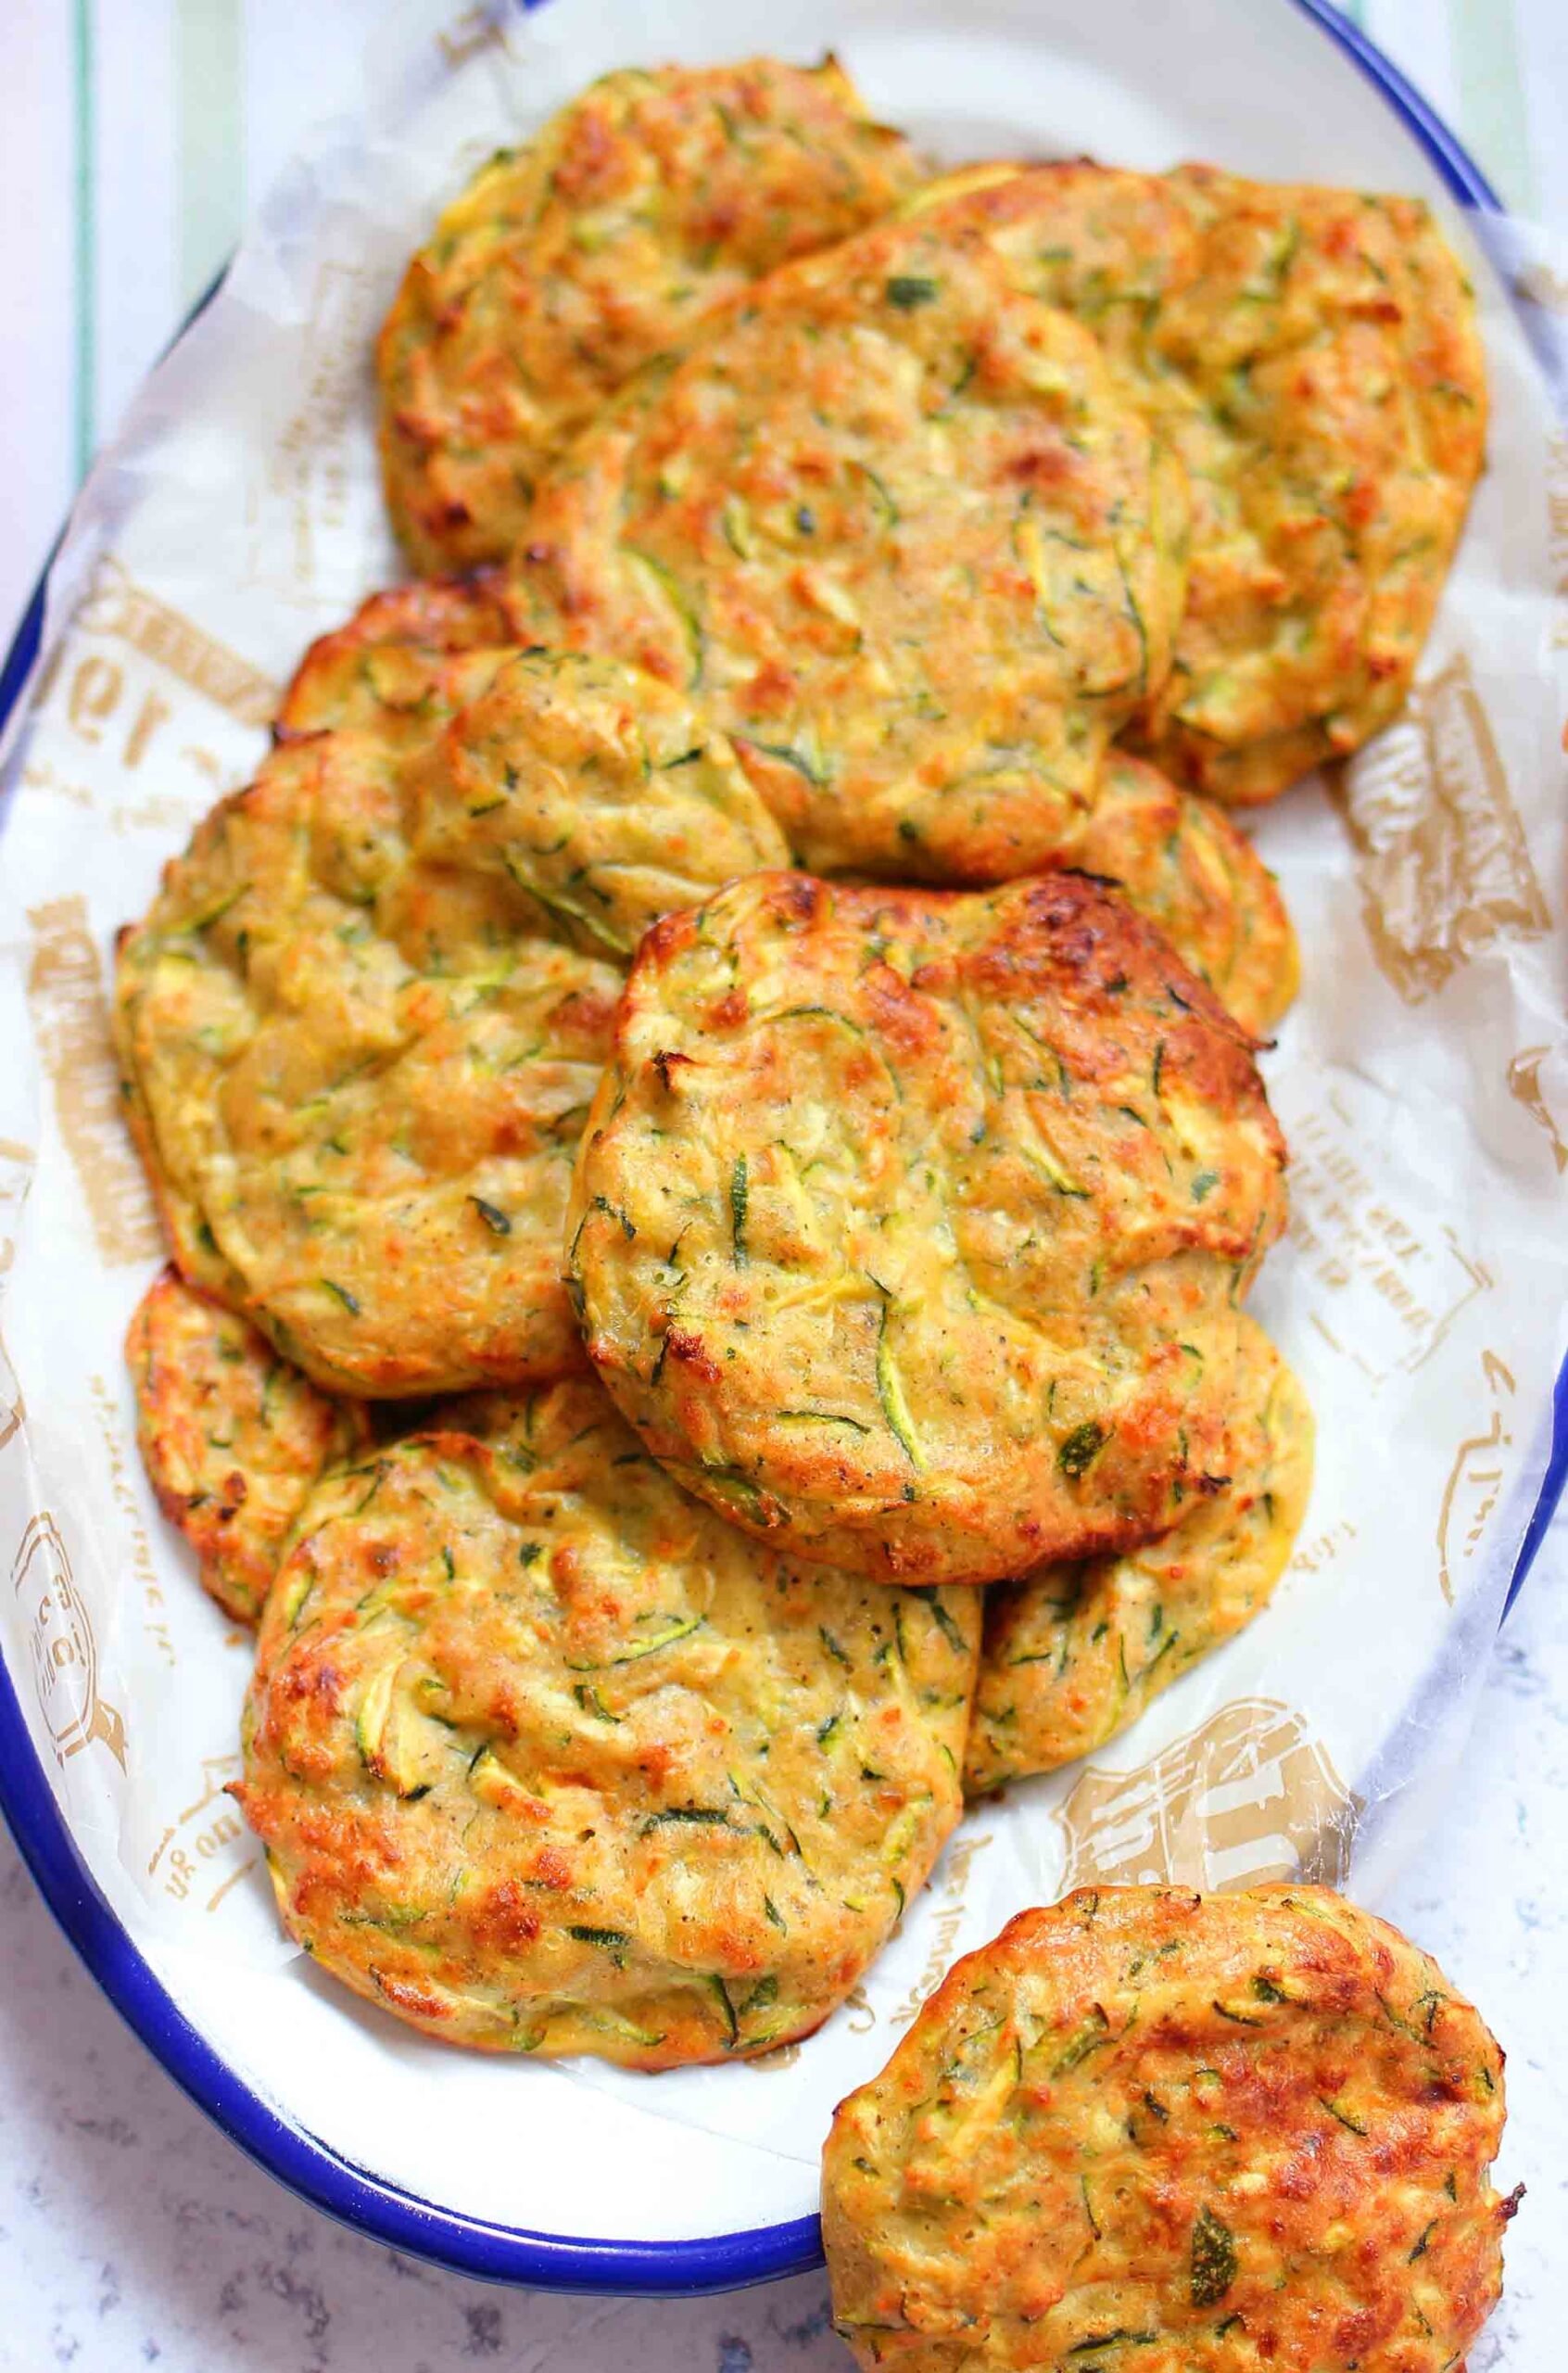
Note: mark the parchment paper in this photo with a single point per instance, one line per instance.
(1421, 1080)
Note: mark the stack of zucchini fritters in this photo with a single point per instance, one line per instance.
(705, 1100)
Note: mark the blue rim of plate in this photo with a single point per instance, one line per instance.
(353, 2195)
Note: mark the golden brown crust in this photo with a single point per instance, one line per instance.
(1195, 2134)
(646, 205)
(406, 661)
(895, 528)
(908, 1227)
(233, 1438)
(1073, 1655)
(1312, 356)
(1182, 863)
(547, 1758)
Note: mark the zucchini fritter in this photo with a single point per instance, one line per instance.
(358, 1087)
(233, 1438)
(891, 524)
(356, 1064)
(909, 1227)
(598, 791)
(406, 662)
(546, 1757)
(1073, 1655)
(1312, 356)
(641, 208)
(1189, 2134)
(1182, 862)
